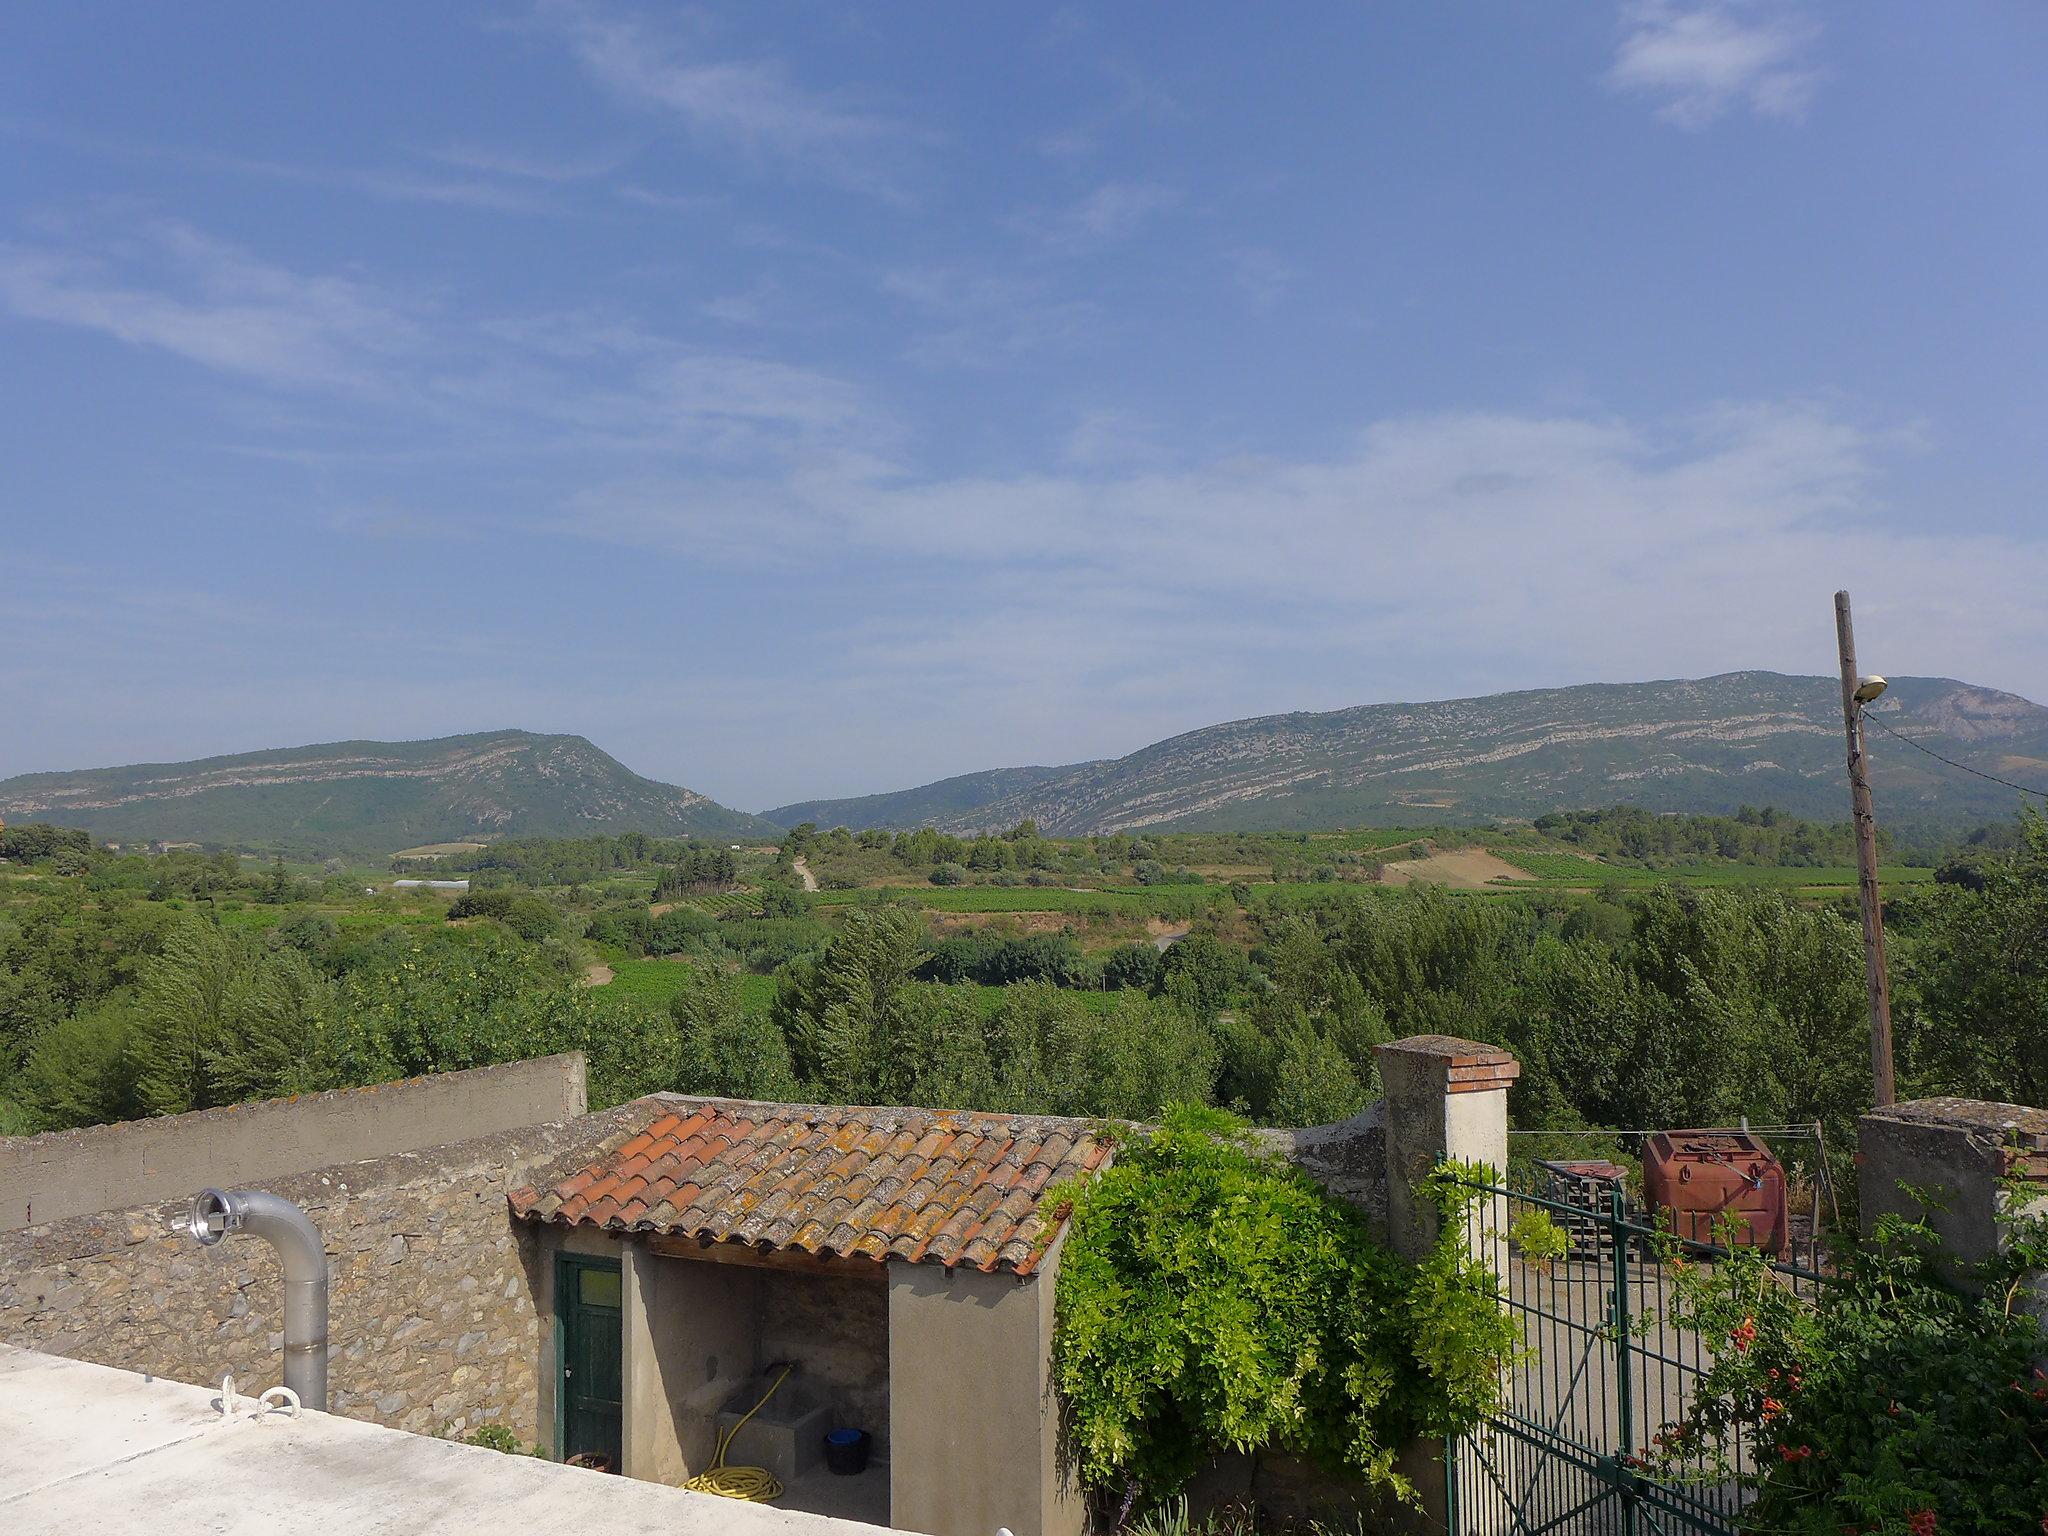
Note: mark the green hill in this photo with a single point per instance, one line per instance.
(375, 796)
(1709, 745)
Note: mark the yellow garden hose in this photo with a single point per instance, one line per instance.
(757, 1485)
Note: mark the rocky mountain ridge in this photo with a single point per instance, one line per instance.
(375, 796)
(1709, 744)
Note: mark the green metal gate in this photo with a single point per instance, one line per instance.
(1606, 1366)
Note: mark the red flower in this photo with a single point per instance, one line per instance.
(1795, 1452)
(1922, 1523)
(1743, 1335)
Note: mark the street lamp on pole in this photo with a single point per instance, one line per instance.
(1857, 693)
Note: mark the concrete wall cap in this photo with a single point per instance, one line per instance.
(1451, 1051)
(1975, 1117)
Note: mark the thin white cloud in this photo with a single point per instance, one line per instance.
(389, 183)
(1113, 439)
(1112, 213)
(211, 302)
(1263, 275)
(527, 165)
(1480, 550)
(1700, 61)
(971, 319)
(751, 107)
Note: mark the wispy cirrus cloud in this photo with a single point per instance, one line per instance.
(1111, 213)
(473, 184)
(977, 319)
(747, 106)
(1465, 542)
(530, 165)
(1700, 61)
(170, 286)
(1263, 275)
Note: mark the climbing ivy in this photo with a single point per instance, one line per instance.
(1211, 1297)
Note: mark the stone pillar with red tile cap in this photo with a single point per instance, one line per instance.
(1446, 1098)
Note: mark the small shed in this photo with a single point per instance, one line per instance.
(901, 1260)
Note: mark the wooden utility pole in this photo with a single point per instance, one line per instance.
(1866, 862)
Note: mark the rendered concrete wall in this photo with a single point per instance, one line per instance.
(699, 1333)
(433, 1320)
(691, 1341)
(1960, 1154)
(973, 1420)
(62, 1174)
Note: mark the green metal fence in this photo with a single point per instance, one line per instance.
(1606, 1365)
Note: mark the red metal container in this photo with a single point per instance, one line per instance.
(1696, 1180)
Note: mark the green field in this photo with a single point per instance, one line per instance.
(254, 918)
(1568, 870)
(724, 903)
(656, 981)
(994, 898)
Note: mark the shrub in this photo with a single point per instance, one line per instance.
(496, 1437)
(1893, 1401)
(1211, 1297)
(533, 918)
(1130, 965)
(481, 901)
(948, 874)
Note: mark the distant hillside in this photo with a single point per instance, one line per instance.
(915, 807)
(375, 796)
(1712, 745)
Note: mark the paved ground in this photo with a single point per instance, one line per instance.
(87, 1448)
(1570, 1386)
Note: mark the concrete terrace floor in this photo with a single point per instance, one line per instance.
(864, 1497)
(87, 1447)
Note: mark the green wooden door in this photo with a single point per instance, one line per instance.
(587, 1313)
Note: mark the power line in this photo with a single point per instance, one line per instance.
(1878, 720)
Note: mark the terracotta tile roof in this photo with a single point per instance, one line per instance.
(922, 1185)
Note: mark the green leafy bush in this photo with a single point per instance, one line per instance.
(1213, 1298)
(1893, 1402)
(496, 1437)
(1537, 1239)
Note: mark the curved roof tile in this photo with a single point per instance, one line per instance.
(925, 1186)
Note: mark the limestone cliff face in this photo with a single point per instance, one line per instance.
(1712, 744)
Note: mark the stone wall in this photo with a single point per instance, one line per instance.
(62, 1174)
(835, 1327)
(1958, 1164)
(1349, 1159)
(432, 1319)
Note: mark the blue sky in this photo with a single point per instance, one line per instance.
(802, 400)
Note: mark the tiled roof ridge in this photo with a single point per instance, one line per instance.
(793, 1111)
